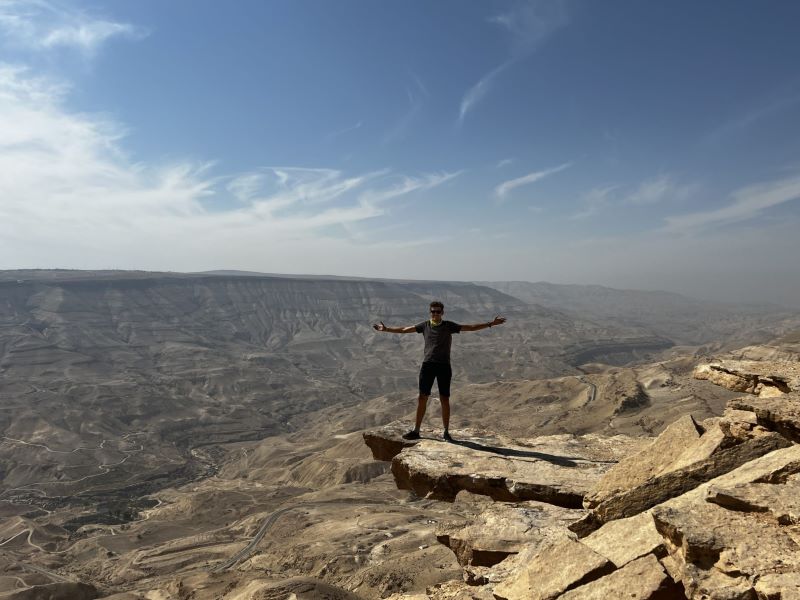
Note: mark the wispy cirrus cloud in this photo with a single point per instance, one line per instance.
(408, 184)
(70, 196)
(42, 25)
(595, 201)
(531, 22)
(650, 192)
(343, 131)
(476, 93)
(502, 190)
(416, 94)
(528, 24)
(658, 189)
(750, 118)
(747, 203)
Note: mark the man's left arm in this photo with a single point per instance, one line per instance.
(498, 320)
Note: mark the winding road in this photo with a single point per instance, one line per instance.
(104, 468)
(250, 548)
(592, 390)
(268, 522)
(55, 576)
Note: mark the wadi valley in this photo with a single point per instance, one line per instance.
(203, 435)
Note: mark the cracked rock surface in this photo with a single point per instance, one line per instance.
(557, 469)
(779, 414)
(708, 510)
(643, 579)
(683, 456)
(487, 532)
(759, 377)
(537, 579)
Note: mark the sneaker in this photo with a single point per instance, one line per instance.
(446, 436)
(411, 435)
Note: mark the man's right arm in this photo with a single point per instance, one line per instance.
(381, 327)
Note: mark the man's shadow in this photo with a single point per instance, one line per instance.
(561, 461)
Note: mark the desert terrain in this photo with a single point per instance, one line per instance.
(200, 436)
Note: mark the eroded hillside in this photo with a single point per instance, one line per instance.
(124, 376)
(165, 436)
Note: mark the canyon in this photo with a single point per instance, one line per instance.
(200, 435)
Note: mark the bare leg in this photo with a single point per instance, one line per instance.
(445, 400)
(422, 404)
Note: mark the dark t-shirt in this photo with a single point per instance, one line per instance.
(438, 340)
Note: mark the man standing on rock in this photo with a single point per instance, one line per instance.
(438, 335)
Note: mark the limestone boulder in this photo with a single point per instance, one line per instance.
(735, 537)
(777, 467)
(633, 546)
(626, 540)
(685, 455)
(759, 377)
(486, 532)
(782, 351)
(648, 463)
(557, 568)
(779, 586)
(781, 414)
(642, 579)
(557, 469)
(491, 576)
(725, 552)
(780, 501)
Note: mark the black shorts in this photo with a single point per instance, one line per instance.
(441, 372)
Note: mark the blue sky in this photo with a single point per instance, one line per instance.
(629, 144)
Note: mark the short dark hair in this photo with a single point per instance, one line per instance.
(437, 304)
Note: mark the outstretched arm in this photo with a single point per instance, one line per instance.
(498, 320)
(381, 327)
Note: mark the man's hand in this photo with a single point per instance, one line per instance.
(379, 326)
(498, 320)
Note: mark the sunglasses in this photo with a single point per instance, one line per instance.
(436, 311)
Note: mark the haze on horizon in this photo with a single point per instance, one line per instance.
(623, 144)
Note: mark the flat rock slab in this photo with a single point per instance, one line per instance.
(734, 552)
(651, 461)
(781, 501)
(556, 569)
(785, 586)
(778, 466)
(682, 457)
(742, 551)
(487, 532)
(781, 414)
(626, 540)
(387, 442)
(759, 377)
(642, 579)
(726, 551)
(557, 469)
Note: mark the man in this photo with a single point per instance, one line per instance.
(438, 335)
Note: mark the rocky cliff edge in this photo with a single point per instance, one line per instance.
(707, 510)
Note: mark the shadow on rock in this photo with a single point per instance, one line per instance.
(561, 461)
